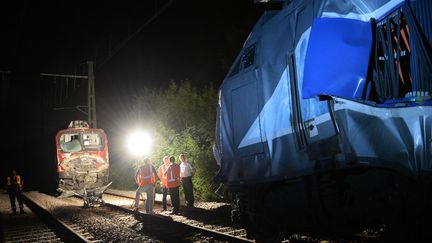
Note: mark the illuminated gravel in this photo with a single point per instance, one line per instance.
(109, 225)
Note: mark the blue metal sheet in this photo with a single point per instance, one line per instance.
(337, 58)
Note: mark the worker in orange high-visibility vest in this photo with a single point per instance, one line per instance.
(146, 178)
(14, 187)
(173, 184)
(164, 179)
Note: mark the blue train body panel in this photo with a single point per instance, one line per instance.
(325, 120)
(272, 124)
(337, 59)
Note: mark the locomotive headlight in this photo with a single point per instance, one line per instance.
(139, 143)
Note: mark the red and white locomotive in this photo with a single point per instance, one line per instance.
(82, 162)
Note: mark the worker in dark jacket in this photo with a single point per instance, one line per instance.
(14, 187)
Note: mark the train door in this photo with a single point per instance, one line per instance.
(245, 110)
(314, 123)
(313, 119)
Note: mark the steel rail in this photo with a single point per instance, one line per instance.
(202, 230)
(65, 232)
(221, 232)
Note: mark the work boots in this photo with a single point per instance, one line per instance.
(22, 211)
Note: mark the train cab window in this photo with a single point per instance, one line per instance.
(75, 142)
(70, 137)
(92, 141)
(70, 143)
(248, 56)
(246, 59)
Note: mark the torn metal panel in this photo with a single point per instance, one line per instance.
(398, 139)
(83, 171)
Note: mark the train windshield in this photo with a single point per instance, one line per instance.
(81, 141)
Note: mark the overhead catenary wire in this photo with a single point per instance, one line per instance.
(131, 36)
(58, 88)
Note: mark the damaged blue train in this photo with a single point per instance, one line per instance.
(325, 119)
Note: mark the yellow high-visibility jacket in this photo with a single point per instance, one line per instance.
(19, 182)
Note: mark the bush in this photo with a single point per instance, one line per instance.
(183, 121)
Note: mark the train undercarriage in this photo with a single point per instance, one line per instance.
(336, 203)
(88, 186)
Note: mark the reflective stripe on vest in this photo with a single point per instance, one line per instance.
(18, 181)
(150, 173)
(174, 180)
(146, 179)
(171, 176)
(162, 176)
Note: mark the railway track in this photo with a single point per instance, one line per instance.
(32, 230)
(39, 225)
(215, 228)
(118, 222)
(220, 229)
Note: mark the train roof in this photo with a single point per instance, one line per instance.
(79, 125)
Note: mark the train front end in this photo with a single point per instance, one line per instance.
(82, 162)
(324, 120)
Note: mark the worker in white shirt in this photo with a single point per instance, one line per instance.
(186, 173)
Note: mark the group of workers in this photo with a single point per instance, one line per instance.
(172, 176)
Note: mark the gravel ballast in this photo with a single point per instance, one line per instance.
(109, 225)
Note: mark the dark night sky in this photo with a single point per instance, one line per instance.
(193, 39)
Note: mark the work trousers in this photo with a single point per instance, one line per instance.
(175, 199)
(15, 193)
(164, 197)
(149, 190)
(188, 190)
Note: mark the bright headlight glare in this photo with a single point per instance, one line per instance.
(139, 143)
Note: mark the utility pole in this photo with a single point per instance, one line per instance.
(91, 103)
(91, 95)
